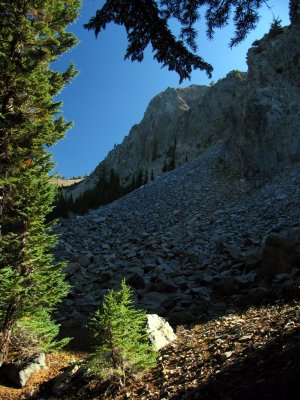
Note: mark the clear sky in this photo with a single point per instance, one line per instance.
(110, 95)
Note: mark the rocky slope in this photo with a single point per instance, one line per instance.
(195, 243)
(253, 355)
(256, 114)
(219, 231)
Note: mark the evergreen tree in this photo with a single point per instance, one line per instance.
(32, 35)
(146, 177)
(152, 175)
(165, 167)
(60, 208)
(122, 343)
(147, 22)
(294, 11)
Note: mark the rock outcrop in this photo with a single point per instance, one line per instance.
(18, 374)
(257, 115)
(160, 332)
(281, 253)
(265, 119)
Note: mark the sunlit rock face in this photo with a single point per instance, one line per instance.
(265, 121)
(163, 128)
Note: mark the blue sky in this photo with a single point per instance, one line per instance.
(110, 95)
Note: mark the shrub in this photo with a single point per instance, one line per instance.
(122, 345)
(34, 334)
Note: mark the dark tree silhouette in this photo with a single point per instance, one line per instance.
(294, 8)
(146, 22)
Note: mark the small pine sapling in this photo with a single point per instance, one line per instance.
(276, 28)
(122, 345)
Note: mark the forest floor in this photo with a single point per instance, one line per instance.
(254, 354)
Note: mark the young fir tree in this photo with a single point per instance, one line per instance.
(122, 345)
(32, 35)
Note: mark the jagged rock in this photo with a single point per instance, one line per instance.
(280, 254)
(258, 294)
(72, 268)
(164, 287)
(252, 258)
(83, 260)
(136, 281)
(160, 332)
(18, 374)
(62, 383)
(226, 286)
(233, 251)
(250, 277)
(181, 317)
(264, 136)
(105, 277)
(153, 300)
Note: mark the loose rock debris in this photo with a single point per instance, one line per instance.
(254, 354)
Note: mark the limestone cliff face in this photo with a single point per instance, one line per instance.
(161, 137)
(162, 134)
(257, 115)
(264, 125)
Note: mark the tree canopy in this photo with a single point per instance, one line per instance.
(32, 36)
(147, 22)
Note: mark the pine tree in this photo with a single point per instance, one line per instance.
(294, 11)
(147, 23)
(32, 35)
(122, 344)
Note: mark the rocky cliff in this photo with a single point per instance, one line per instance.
(264, 119)
(255, 114)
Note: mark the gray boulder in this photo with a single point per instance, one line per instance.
(18, 374)
(160, 332)
(63, 381)
(281, 254)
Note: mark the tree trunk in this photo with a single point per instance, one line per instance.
(6, 331)
(294, 11)
(4, 345)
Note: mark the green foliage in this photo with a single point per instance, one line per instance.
(294, 11)
(41, 329)
(32, 36)
(122, 344)
(108, 189)
(155, 154)
(256, 43)
(60, 209)
(152, 177)
(147, 22)
(276, 28)
(170, 162)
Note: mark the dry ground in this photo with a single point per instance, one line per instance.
(251, 355)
